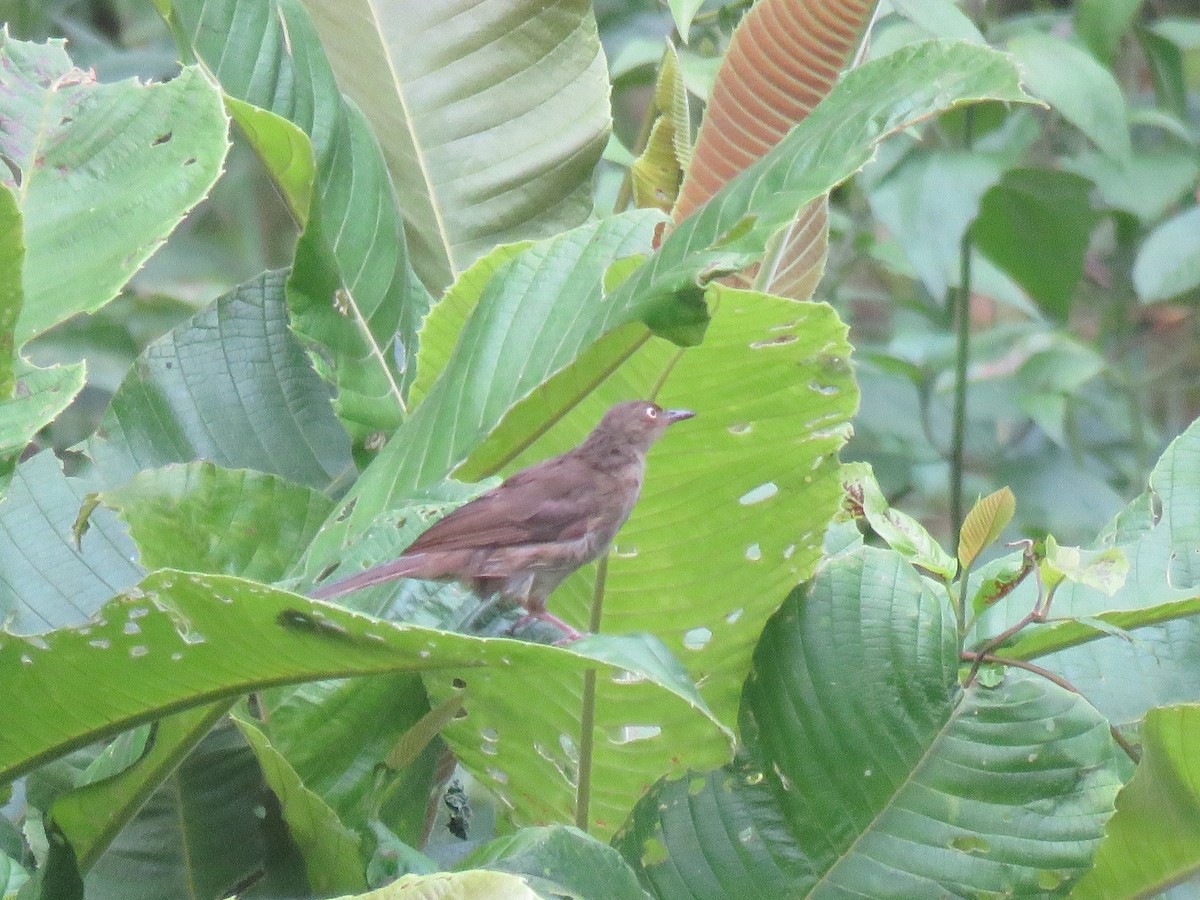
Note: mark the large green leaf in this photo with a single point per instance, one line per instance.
(869, 773)
(46, 580)
(736, 500)
(179, 640)
(353, 292)
(102, 173)
(491, 117)
(232, 386)
(1153, 841)
(332, 853)
(203, 518)
(91, 816)
(553, 290)
(551, 294)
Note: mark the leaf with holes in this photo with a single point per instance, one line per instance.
(102, 173)
(179, 640)
(736, 501)
(868, 772)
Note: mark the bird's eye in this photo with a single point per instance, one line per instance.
(651, 412)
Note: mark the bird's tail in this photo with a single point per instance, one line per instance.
(404, 567)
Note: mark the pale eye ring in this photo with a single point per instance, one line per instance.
(651, 412)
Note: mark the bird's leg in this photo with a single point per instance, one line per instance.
(570, 634)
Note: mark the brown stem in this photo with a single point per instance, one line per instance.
(1130, 750)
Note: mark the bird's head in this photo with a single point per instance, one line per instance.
(640, 422)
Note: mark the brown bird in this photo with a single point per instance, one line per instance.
(521, 539)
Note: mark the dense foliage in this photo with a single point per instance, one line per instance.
(325, 270)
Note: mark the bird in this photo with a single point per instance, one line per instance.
(521, 539)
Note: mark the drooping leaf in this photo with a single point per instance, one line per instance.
(332, 853)
(106, 171)
(1035, 224)
(180, 640)
(902, 532)
(475, 168)
(984, 523)
(1102, 23)
(657, 172)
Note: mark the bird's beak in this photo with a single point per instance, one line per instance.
(677, 415)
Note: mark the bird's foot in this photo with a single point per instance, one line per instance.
(569, 634)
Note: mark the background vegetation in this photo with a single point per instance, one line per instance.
(329, 269)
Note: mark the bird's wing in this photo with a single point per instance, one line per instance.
(548, 502)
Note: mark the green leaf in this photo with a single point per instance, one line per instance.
(1105, 570)
(569, 859)
(38, 397)
(335, 734)
(1164, 59)
(180, 640)
(682, 12)
(1102, 23)
(1148, 186)
(1080, 89)
(984, 523)
(549, 292)
(441, 328)
(352, 291)
(829, 145)
(1168, 262)
(1159, 535)
(285, 150)
(867, 772)
(106, 171)
(1153, 841)
(474, 885)
(12, 294)
(998, 578)
(902, 532)
(1035, 225)
(203, 824)
(92, 815)
(203, 518)
(928, 200)
(46, 580)
(475, 168)
(233, 386)
(332, 853)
